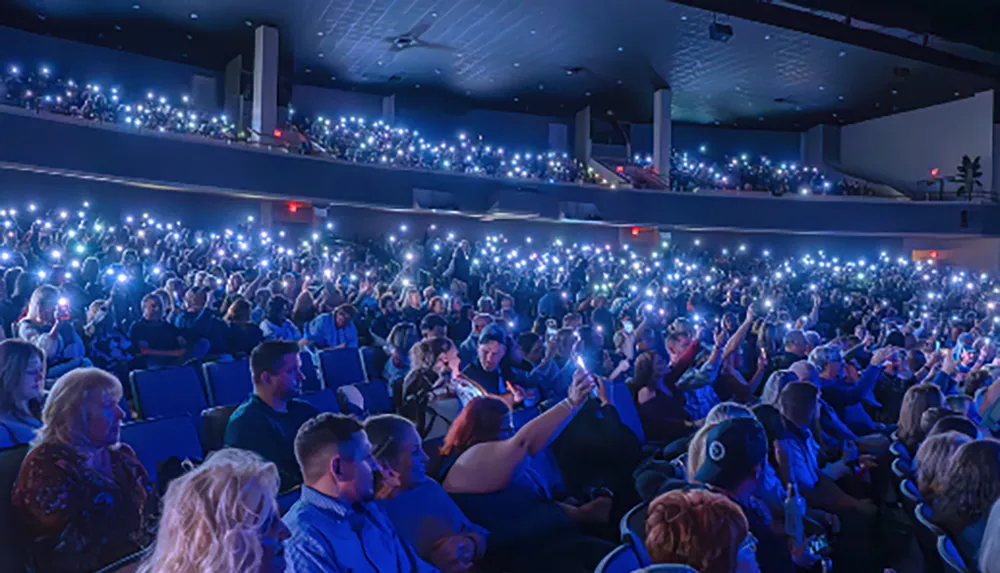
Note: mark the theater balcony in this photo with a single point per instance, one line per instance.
(64, 147)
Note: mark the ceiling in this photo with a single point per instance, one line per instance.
(536, 56)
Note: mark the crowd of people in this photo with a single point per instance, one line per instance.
(694, 173)
(763, 396)
(375, 142)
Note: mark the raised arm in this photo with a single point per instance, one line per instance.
(489, 467)
(739, 335)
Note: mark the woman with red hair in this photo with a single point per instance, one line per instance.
(486, 469)
(700, 529)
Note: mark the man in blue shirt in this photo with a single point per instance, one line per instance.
(335, 526)
(334, 330)
(267, 421)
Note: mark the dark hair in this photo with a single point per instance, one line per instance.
(527, 341)
(932, 415)
(431, 321)
(239, 311)
(385, 432)
(793, 397)
(954, 423)
(493, 333)
(480, 421)
(267, 355)
(384, 301)
(318, 434)
(347, 309)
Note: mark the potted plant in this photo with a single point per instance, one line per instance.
(968, 174)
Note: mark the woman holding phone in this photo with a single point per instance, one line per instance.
(47, 326)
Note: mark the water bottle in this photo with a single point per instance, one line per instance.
(795, 509)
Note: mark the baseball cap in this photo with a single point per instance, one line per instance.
(493, 333)
(732, 449)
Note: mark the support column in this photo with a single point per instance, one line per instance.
(265, 81)
(995, 183)
(233, 102)
(581, 136)
(662, 131)
(558, 137)
(389, 109)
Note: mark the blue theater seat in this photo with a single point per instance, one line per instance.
(228, 382)
(341, 366)
(168, 392)
(213, 426)
(373, 358)
(312, 383)
(621, 560)
(375, 395)
(633, 531)
(627, 411)
(155, 441)
(953, 562)
(324, 400)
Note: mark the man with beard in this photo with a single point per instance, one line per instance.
(335, 526)
(268, 420)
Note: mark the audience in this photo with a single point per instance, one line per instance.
(484, 469)
(335, 526)
(268, 420)
(221, 516)
(916, 401)
(334, 330)
(46, 326)
(83, 498)
(418, 506)
(22, 391)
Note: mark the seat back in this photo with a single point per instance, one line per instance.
(213, 427)
(375, 395)
(927, 534)
(373, 358)
(228, 382)
(901, 469)
(627, 410)
(154, 441)
(11, 542)
(953, 562)
(621, 560)
(324, 400)
(168, 392)
(898, 450)
(341, 366)
(312, 383)
(633, 531)
(667, 568)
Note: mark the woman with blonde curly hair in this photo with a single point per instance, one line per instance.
(700, 529)
(82, 496)
(221, 517)
(933, 460)
(971, 487)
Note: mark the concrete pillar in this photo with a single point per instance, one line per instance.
(389, 109)
(581, 136)
(558, 137)
(204, 93)
(233, 102)
(994, 185)
(662, 99)
(820, 146)
(265, 80)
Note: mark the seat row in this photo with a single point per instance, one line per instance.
(188, 390)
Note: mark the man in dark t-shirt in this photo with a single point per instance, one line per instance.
(268, 420)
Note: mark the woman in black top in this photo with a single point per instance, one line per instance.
(242, 336)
